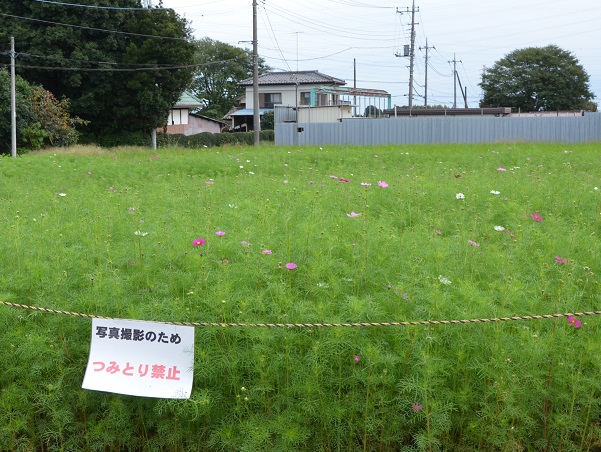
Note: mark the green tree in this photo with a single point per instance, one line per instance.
(372, 111)
(268, 120)
(220, 67)
(123, 69)
(41, 118)
(23, 94)
(537, 79)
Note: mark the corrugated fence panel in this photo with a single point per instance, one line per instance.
(477, 129)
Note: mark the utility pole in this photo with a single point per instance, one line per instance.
(256, 115)
(13, 99)
(426, 81)
(455, 80)
(354, 86)
(411, 52)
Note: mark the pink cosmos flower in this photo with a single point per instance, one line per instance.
(561, 260)
(357, 358)
(536, 216)
(382, 184)
(333, 177)
(437, 232)
(198, 242)
(353, 214)
(471, 242)
(291, 265)
(365, 184)
(501, 169)
(209, 182)
(416, 407)
(266, 252)
(576, 323)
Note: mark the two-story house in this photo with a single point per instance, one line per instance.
(296, 88)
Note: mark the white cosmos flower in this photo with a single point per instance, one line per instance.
(499, 228)
(495, 192)
(460, 196)
(444, 280)
(141, 234)
(62, 194)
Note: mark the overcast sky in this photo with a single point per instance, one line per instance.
(326, 35)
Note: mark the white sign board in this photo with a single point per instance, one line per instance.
(145, 359)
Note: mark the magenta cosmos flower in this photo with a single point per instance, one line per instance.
(416, 407)
(266, 252)
(576, 323)
(291, 265)
(198, 242)
(357, 358)
(536, 216)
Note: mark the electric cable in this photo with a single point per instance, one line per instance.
(93, 28)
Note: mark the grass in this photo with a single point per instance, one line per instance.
(70, 220)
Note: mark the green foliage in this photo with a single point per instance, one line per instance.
(117, 81)
(206, 139)
(268, 120)
(113, 138)
(23, 96)
(498, 386)
(34, 135)
(537, 79)
(372, 111)
(41, 118)
(220, 67)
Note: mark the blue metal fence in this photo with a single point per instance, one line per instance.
(426, 130)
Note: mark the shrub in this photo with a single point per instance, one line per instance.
(206, 139)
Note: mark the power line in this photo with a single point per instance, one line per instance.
(146, 68)
(32, 55)
(98, 7)
(92, 28)
(275, 39)
(81, 69)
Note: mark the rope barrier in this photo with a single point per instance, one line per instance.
(318, 325)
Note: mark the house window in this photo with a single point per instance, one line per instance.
(305, 98)
(272, 99)
(177, 117)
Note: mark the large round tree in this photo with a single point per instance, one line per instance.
(537, 79)
(122, 66)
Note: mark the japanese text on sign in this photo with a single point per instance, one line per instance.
(135, 334)
(140, 358)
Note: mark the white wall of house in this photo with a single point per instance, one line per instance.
(324, 114)
(288, 95)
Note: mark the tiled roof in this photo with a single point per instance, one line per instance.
(188, 100)
(293, 78)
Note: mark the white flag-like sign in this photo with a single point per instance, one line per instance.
(145, 359)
